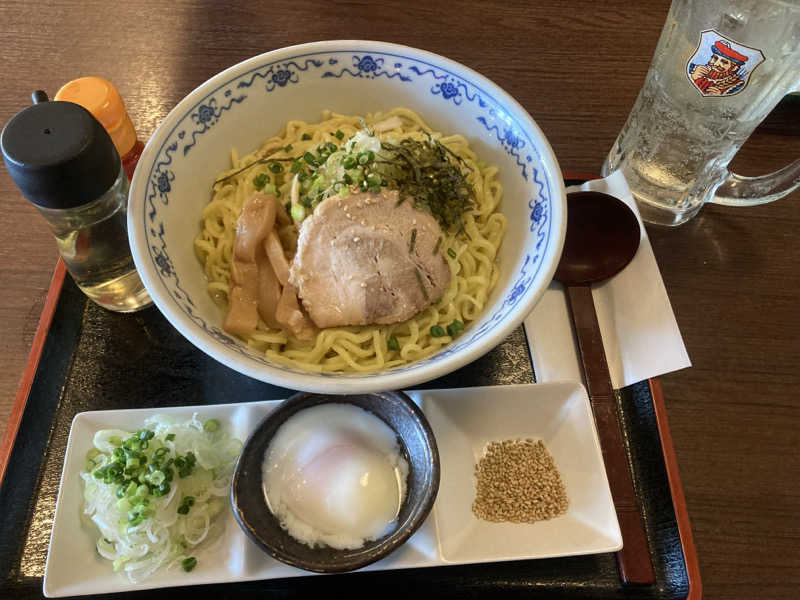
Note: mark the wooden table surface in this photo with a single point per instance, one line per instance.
(733, 275)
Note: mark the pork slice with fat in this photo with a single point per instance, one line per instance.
(368, 259)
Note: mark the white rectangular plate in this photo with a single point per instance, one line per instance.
(463, 420)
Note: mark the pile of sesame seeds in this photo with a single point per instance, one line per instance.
(517, 482)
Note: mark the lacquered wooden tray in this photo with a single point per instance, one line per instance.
(86, 358)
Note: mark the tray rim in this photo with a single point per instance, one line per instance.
(11, 429)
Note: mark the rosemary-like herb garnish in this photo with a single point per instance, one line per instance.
(260, 161)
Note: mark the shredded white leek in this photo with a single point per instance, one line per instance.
(166, 536)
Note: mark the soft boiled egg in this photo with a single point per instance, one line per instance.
(333, 474)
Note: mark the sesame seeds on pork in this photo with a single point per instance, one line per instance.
(356, 263)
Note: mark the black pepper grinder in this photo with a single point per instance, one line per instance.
(64, 162)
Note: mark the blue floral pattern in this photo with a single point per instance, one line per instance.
(366, 66)
(510, 135)
(448, 90)
(206, 116)
(162, 182)
(282, 76)
(510, 139)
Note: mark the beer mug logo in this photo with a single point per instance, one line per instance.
(720, 66)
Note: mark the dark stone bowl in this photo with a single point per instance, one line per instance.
(417, 445)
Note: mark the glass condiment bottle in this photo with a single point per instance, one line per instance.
(101, 98)
(64, 162)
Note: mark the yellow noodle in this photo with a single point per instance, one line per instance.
(474, 270)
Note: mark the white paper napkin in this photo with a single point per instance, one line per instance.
(640, 334)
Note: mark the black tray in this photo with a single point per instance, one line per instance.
(92, 359)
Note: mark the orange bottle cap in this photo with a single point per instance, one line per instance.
(101, 98)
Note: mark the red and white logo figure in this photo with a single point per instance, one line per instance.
(721, 67)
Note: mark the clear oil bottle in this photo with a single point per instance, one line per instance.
(65, 163)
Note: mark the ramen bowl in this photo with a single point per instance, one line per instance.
(251, 101)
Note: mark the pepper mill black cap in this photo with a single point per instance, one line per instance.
(58, 154)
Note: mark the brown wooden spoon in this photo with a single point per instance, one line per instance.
(602, 238)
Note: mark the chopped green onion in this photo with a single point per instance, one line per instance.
(437, 331)
(296, 167)
(90, 456)
(451, 253)
(170, 437)
(392, 343)
(349, 161)
(260, 180)
(339, 134)
(211, 425)
(156, 478)
(114, 440)
(186, 503)
(287, 148)
(305, 137)
(298, 213)
(455, 328)
(187, 564)
(310, 158)
(276, 167)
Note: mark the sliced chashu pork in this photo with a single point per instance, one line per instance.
(356, 263)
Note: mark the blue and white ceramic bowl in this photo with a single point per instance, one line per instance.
(251, 101)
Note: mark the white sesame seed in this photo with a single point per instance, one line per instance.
(517, 481)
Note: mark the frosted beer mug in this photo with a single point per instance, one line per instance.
(719, 68)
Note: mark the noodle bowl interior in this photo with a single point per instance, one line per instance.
(358, 243)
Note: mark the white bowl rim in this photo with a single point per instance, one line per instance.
(345, 383)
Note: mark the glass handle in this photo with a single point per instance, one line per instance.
(738, 190)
